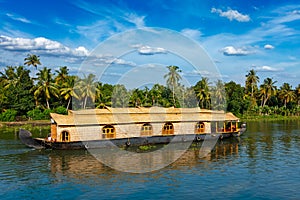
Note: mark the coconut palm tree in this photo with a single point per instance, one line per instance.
(251, 85)
(136, 97)
(87, 88)
(156, 93)
(173, 77)
(45, 86)
(286, 93)
(67, 90)
(62, 75)
(267, 89)
(203, 93)
(251, 81)
(218, 95)
(9, 77)
(120, 97)
(33, 60)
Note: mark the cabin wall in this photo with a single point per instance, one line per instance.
(83, 133)
(207, 128)
(80, 133)
(184, 128)
(53, 131)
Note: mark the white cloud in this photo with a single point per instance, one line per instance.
(231, 15)
(138, 21)
(232, 51)
(81, 51)
(268, 46)
(40, 45)
(192, 33)
(18, 18)
(266, 68)
(147, 50)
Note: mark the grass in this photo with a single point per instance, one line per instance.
(267, 117)
(22, 123)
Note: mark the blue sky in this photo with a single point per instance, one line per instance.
(236, 35)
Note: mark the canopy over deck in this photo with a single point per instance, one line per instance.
(139, 115)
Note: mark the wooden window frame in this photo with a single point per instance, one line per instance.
(108, 132)
(146, 129)
(168, 129)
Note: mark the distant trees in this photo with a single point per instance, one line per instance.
(22, 96)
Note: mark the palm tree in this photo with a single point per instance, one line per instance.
(45, 86)
(156, 93)
(251, 84)
(87, 88)
(33, 60)
(286, 93)
(120, 97)
(9, 78)
(203, 93)
(67, 89)
(267, 90)
(62, 75)
(173, 78)
(218, 95)
(136, 97)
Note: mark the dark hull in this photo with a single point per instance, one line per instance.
(39, 143)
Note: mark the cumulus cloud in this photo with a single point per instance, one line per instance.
(147, 50)
(231, 15)
(232, 51)
(266, 68)
(40, 45)
(268, 46)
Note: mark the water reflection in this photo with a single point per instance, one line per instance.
(81, 162)
(263, 164)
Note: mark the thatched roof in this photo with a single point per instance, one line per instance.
(139, 115)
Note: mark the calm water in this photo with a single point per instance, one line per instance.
(263, 164)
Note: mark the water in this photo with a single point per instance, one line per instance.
(263, 164)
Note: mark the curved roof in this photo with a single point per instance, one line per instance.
(139, 115)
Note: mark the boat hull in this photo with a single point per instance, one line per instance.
(134, 141)
(40, 143)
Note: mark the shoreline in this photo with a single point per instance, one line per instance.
(268, 118)
(22, 123)
(242, 118)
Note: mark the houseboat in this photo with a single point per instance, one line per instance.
(97, 128)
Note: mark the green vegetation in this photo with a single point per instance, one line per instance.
(23, 97)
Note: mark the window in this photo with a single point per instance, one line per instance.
(146, 129)
(65, 136)
(108, 131)
(199, 128)
(168, 129)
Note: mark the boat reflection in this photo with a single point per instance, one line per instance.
(82, 162)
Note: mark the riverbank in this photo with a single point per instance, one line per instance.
(267, 118)
(242, 118)
(22, 123)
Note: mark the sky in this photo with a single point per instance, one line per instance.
(104, 36)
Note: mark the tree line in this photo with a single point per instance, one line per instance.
(24, 96)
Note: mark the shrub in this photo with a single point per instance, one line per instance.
(8, 115)
(46, 113)
(61, 110)
(35, 114)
